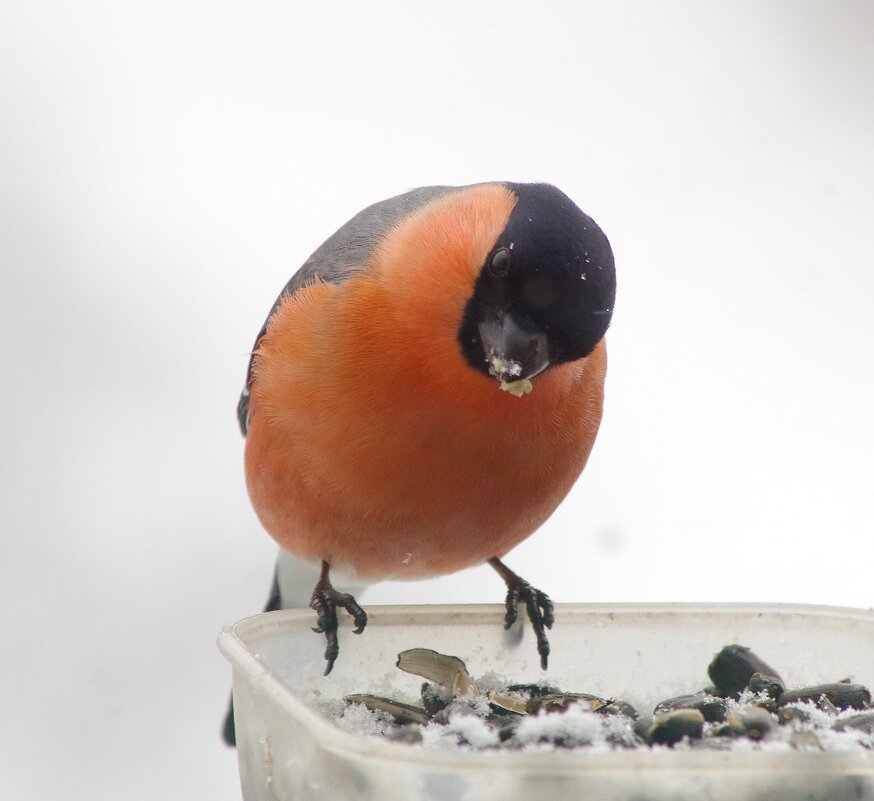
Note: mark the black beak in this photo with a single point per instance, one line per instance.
(513, 353)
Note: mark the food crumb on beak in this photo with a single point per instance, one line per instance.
(517, 388)
(500, 367)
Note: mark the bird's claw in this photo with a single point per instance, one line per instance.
(540, 613)
(324, 603)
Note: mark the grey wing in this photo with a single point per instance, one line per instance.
(340, 255)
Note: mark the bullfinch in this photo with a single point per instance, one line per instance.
(426, 390)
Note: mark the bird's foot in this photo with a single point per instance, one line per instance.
(324, 602)
(537, 603)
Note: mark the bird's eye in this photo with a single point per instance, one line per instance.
(499, 264)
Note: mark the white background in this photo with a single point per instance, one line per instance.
(164, 168)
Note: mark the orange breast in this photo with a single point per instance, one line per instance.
(374, 446)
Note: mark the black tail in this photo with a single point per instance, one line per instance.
(229, 731)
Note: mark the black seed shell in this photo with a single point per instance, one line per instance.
(734, 666)
(842, 695)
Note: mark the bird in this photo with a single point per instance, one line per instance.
(426, 390)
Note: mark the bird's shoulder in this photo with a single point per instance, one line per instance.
(345, 252)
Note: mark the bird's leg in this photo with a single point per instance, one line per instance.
(325, 601)
(536, 602)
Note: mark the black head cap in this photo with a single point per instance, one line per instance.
(550, 273)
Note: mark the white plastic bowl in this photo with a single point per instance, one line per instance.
(641, 653)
